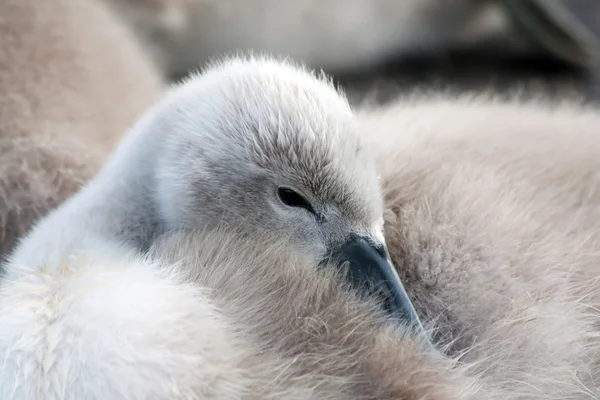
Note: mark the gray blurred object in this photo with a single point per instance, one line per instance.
(567, 29)
(336, 35)
(540, 48)
(379, 48)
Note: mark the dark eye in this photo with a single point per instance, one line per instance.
(292, 198)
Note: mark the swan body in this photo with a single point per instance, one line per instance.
(58, 120)
(196, 320)
(492, 221)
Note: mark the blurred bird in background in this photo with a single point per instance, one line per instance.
(380, 47)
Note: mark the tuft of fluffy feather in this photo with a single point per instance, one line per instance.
(206, 316)
(64, 102)
(114, 328)
(492, 211)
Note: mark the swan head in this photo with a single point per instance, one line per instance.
(267, 147)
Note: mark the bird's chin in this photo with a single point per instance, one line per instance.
(371, 273)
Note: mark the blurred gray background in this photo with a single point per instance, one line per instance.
(378, 49)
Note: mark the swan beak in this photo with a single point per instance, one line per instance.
(372, 273)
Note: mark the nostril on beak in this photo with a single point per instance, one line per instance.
(376, 245)
(380, 249)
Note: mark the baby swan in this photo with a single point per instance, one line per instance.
(255, 143)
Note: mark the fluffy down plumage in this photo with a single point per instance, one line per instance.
(208, 316)
(492, 219)
(72, 81)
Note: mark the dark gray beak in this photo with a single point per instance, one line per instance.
(372, 273)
